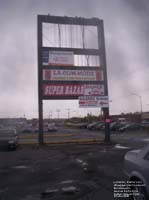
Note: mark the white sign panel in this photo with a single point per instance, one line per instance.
(93, 101)
(72, 75)
(61, 58)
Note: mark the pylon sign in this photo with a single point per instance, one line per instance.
(59, 74)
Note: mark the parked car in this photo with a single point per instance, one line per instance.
(115, 126)
(8, 139)
(131, 126)
(136, 166)
(145, 123)
(94, 125)
(52, 127)
(100, 126)
(83, 125)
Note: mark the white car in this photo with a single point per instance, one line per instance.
(52, 127)
(136, 164)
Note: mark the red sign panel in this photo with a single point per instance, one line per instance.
(54, 90)
(107, 120)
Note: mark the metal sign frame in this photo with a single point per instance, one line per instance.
(77, 51)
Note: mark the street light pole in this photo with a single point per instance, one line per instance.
(50, 114)
(140, 99)
(58, 111)
(68, 109)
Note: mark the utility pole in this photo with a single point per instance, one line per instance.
(50, 114)
(140, 99)
(58, 111)
(101, 114)
(68, 109)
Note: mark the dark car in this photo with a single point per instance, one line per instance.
(95, 125)
(8, 139)
(145, 124)
(131, 126)
(115, 126)
(100, 126)
(92, 125)
(136, 165)
(83, 125)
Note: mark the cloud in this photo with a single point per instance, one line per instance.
(126, 32)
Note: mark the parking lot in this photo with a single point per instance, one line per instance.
(75, 135)
(67, 171)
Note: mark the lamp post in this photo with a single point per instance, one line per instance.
(68, 110)
(58, 111)
(50, 115)
(140, 99)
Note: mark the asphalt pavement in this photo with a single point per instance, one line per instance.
(65, 172)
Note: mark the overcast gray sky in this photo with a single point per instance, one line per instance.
(126, 32)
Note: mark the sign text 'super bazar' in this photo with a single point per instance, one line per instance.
(70, 75)
(72, 89)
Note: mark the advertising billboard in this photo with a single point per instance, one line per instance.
(72, 75)
(94, 101)
(57, 58)
(63, 90)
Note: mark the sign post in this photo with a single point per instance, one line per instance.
(101, 40)
(40, 103)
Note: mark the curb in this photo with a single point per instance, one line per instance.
(46, 135)
(69, 142)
